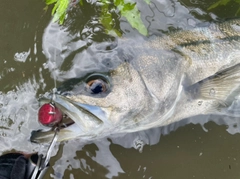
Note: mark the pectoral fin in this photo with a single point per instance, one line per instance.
(223, 87)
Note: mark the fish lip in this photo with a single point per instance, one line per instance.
(86, 118)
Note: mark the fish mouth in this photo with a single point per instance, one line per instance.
(80, 120)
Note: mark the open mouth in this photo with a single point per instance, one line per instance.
(78, 119)
(45, 135)
(66, 122)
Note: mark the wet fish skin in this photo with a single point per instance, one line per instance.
(164, 80)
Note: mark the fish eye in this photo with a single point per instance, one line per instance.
(96, 85)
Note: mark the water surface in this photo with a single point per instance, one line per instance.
(34, 51)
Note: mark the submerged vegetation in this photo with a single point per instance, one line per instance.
(59, 10)
(128, 10)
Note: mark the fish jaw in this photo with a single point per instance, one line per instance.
(88, 120)
(67, 133)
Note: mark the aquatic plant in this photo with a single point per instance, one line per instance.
(59, 10)
(128, 10)
(224, 2)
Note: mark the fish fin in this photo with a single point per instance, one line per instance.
(232, 110)
(224, 87)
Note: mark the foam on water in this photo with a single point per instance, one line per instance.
(18, 116)
(22, 56)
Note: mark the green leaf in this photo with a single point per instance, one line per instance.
(48, 2)
(59, 10)
(221, 2)
(127, 10)
(107, 20)
(54, 8)
(132, 14)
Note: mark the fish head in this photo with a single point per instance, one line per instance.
(124, 97)
(98, 104)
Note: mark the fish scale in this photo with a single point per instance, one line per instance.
(160, 81)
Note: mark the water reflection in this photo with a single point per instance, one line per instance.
(96, 160)
(191, 151)
(105, 159)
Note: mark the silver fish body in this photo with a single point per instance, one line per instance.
(160, 81)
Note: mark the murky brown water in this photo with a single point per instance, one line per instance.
(200, 150)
